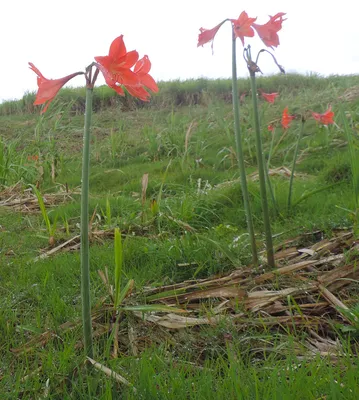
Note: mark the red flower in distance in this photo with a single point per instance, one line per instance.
(48, 88)
(271, 128)
(325, 118)
(243, 26)
(286, 118)
(268, 32)
(33, 158)
(269, 97)
(142, 69)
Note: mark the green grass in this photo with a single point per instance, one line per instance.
(192, 187)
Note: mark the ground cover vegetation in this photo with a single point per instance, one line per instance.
(167, 177)
(198, 279)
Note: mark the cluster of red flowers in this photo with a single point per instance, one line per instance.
(116, 69)
(243, 27)
(325, 118)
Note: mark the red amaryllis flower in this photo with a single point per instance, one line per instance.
(207, 35)
(286, 118)
(271, 128)
(269, 97)
(116, 66)
(243, 26)
(48, 88)
(268, 31)
(142, 69)
(325, 118)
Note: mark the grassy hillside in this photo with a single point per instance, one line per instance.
(189, 93)
(188, 223)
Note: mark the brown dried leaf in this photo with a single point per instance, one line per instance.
(281, 271)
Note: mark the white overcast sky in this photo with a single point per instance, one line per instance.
(63, 36)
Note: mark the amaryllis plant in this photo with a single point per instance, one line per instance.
(245, 27)
(116, 69)
(122, 71)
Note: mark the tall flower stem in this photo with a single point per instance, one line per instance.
(237, 130)
(294, 164)
(261, 173)
(85, 256)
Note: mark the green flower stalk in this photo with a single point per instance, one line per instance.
(253, 68)
(85, 252)
(237, 131)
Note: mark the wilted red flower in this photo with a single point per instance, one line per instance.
(207, 35)
(269, 97)
(286, 118)
(271, 127)
(142, 69)
(325, 118)
(116, 66)
(48, 88)
(268, 31)
(243, 26)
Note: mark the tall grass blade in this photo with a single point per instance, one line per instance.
(43, 210)
(118, 266)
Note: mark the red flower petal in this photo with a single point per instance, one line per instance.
(143, 65)
(116, 69)
(117, 48)
(149, 83)
(139, 92)
(269, 97)
(207, 35)
(286, 118)
(126, 77)
(243, 26)
(131, 59)
(325, 118)
(268, 31)
(142, 68)
(48, 88)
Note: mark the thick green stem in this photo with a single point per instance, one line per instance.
(240, 156)
(85, 258)
(293, 167)
(261, 173)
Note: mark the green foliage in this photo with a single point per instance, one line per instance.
(352, 314)
(51, 227)
(191, 225)
(13, 166)
(193, 92)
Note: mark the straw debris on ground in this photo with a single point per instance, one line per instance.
(309, 291)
